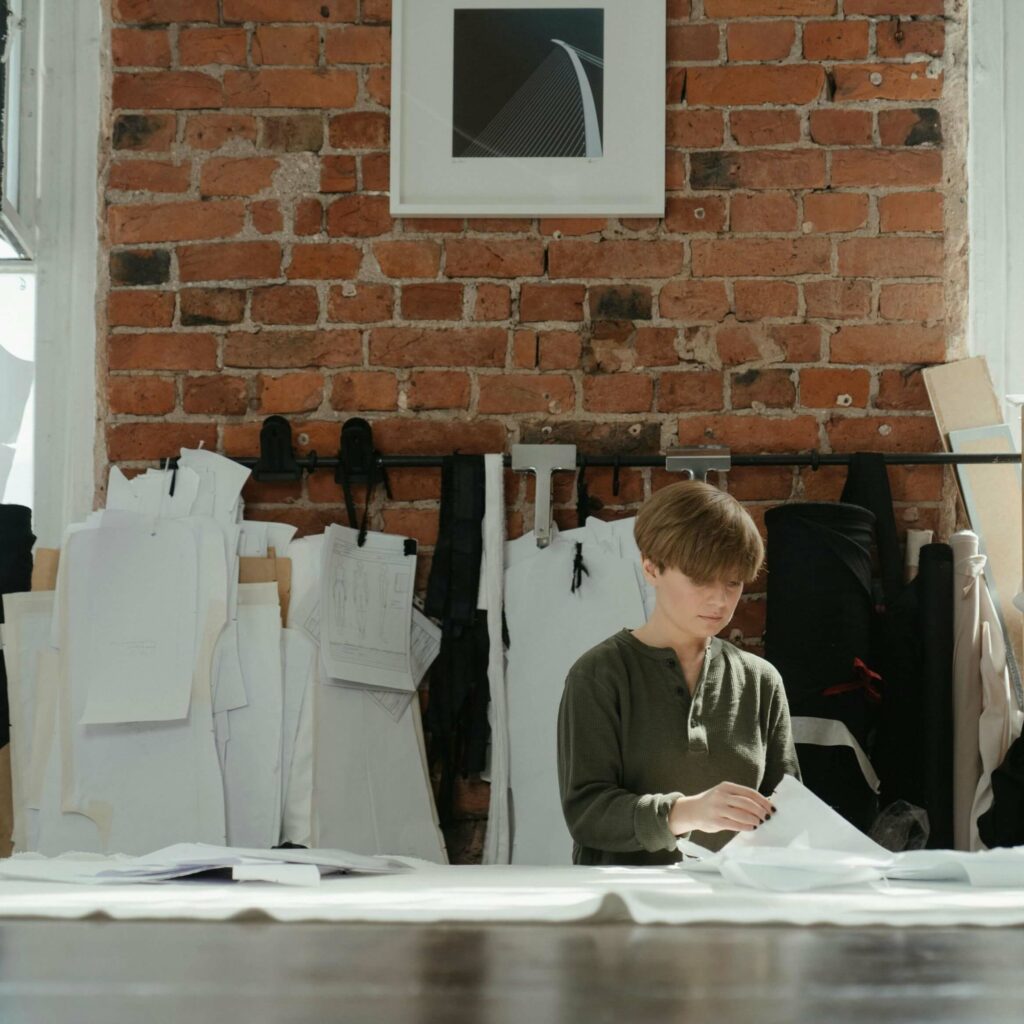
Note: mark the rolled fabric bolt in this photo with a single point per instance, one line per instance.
(916, 539)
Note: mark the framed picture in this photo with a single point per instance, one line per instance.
(538, 108)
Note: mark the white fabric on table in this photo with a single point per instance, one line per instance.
(504, 893)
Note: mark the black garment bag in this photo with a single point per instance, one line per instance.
(456, 717)
(818, 635)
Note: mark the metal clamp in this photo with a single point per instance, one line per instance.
(695, 463)
(542, 460)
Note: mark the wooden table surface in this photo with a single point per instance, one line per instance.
(102, 972)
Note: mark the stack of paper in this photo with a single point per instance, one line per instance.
(289, 867)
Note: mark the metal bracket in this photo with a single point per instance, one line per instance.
(697, 462)
(542, 460)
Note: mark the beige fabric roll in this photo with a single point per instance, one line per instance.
(967, 689)
(1001, 720)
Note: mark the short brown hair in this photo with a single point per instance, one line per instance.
(701, 531)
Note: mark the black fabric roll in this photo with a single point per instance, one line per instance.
(16, 540)
(915, 750)
(818, 635)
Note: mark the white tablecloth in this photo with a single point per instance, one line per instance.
(495, 894)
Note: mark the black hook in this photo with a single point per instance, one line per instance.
(615, 476)
(277, 456)
(171, 464)
(358, 463)
(815, 460)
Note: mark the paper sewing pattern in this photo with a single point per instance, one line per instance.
(366, 605)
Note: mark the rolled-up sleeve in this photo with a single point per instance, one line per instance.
(599, 812)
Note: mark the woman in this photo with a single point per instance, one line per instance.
(667, 730)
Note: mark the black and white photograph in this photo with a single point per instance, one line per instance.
(528, 83)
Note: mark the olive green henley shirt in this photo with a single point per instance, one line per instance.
(631, 741)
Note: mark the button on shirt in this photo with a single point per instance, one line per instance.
(631, 741)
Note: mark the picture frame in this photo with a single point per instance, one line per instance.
(523, 108)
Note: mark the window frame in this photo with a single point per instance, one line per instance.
(20, 139)
(995, 201)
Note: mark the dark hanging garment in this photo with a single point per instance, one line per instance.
(913, 649)
(16, 540)
(1003, 823)
(456, 717)
(818, 635)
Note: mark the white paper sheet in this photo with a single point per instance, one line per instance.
(299, 658)
(183, 859)
(149, 493)
(173, 789)
(804, 818)
(549, 628)
(424, 645)
(220, 484)
(297, 812)
(366, 607)
(25, 636)
(306, 555)
(16, 377)
(498, 838)
(252, 766)
(371, 793)
(48, 829)
(132, 591)
(259, 537)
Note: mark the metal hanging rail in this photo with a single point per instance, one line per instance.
(358, 461)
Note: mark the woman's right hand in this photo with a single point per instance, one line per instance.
(725, 807)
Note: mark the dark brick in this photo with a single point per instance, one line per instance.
(620, 302)
(713, 170)
(134, 131)
(140, 266)
(303, 133)
(928, 130)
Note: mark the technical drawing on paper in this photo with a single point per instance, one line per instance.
(369, 590)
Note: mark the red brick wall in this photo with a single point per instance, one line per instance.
(801, 276)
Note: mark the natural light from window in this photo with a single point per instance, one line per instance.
(17, 338)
